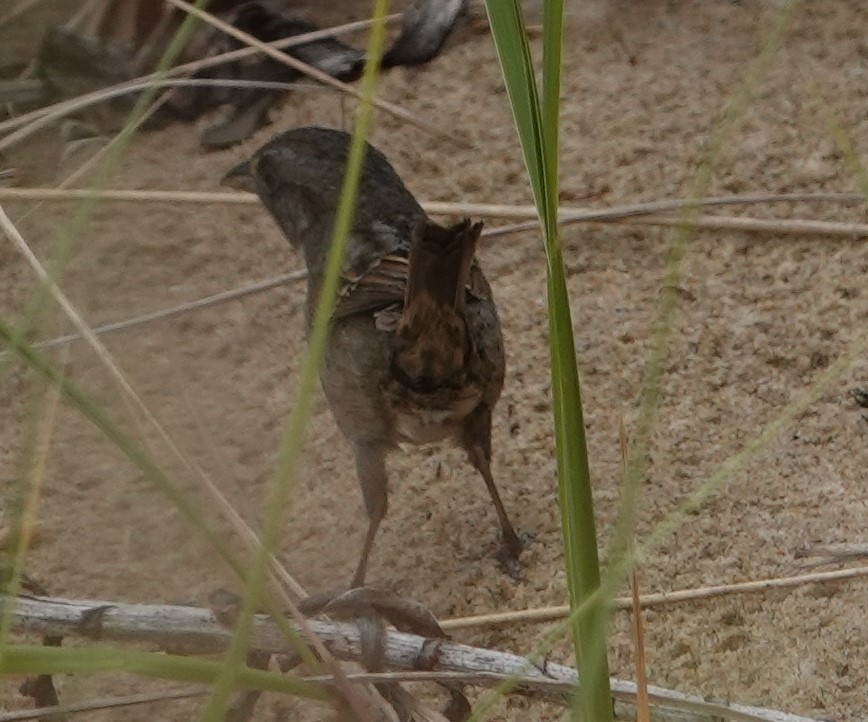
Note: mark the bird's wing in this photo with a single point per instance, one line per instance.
(380, 286)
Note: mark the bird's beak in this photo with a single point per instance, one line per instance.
(240, 178)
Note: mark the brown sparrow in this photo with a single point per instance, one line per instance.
(415, 352)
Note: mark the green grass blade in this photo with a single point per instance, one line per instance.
(32, 659)
(513, 52)
(537, 125)
(553, 14)
(294, 435)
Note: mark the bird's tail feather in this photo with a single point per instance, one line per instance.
(439, 267)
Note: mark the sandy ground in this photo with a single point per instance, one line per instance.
(761, 319)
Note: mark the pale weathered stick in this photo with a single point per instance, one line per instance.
(313, 72)
(190, 630)
(549, 614)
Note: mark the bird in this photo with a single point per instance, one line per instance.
(415, 351)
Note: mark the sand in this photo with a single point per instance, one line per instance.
(761, 318)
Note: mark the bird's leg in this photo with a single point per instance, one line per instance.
(371, 470)
(476, 440)
(511, 545)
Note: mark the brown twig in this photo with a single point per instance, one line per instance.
(548, 614)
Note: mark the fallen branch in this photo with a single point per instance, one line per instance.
(195, 630)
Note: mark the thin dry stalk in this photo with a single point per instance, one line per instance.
(85, 332)
(643, 711)
(196, 630)
(777, 226)
(183, 308)
(550, 614)
(314, 73)
(277, 571)
(438, 208)
(644, 209)
(832, 553)
(100, 96)
(101, 703)
(21, 7)
(36, 475)
(63, 108)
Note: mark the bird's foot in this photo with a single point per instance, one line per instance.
(509, 552)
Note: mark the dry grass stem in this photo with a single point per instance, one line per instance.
(439, 208)
(314, 73)
(643, 712)
(549, 614)
(280, 580)
(625, 213)
(22, 6)
(220, 501)
(63, 108)
(777, 226)
(101, 703)
(169, 626)
(833, 553)
(183, 308)
(100, 96)
(644, 214)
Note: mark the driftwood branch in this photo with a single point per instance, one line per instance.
(191, 630)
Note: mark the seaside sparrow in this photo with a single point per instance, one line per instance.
(415, 351)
